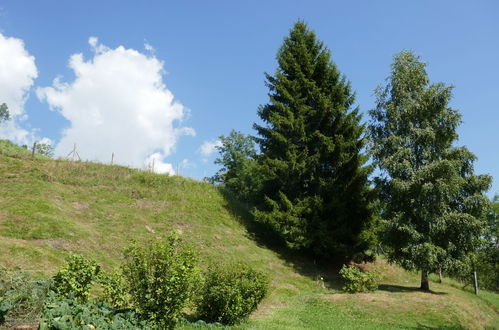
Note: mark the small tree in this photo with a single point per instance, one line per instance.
(44, 149)
(239, 172)
(4, 112)
(433, 202)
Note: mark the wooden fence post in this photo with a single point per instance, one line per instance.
(33, 151)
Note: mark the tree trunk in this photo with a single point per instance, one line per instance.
(425, 285)
(440, 275)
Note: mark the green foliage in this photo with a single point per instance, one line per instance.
(115, 290)
(357, 280)
(75, 277)
(239, 172)
(231, 293)
(485, 260)
(10, 149)
(44, 149)
(92, 203)
(315, 190)
(4, 112)
(487, 257)
(66, 313)
(21, 296)
(433, 202)
(161, 277)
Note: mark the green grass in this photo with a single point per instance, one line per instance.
(49, 208)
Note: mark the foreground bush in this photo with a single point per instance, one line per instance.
(21, 296)
(68, 313)
(75, 277)
(161, 279)
(115, 290)
(357, 280)
(231, 293)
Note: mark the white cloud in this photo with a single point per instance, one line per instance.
(46, 140)
(157, 165)
(17, 73)
(209, 147)
(117, 103)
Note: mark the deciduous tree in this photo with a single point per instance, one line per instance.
(239, 172)
(434, 204)
(4, 112)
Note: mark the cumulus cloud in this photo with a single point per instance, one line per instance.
(209, 147)
(118, 102)
(157, 165)
(45, 140)
(17, 73)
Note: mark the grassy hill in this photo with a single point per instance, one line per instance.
(49, 208)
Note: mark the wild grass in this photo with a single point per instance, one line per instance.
(49, 208)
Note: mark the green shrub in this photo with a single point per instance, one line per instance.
(231, 293)
(67, 313)
(161, 279)
(75, 277)
(357, 280)
(115, 290)
(21, 296)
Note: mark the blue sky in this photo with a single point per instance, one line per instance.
(210, 56)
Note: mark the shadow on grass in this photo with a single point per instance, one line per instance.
(264, 236)
(400, 288)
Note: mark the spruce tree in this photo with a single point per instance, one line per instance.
(434, 206)
(315, 191)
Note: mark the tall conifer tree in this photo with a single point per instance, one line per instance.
(315, 192)
(434, 203)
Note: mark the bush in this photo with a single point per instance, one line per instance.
(161, 279)
(115, 290)
(358, 281)
(231, 293)
(67, 313)
(21, 296)
(75, 277)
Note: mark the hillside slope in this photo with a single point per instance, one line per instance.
(49, 208)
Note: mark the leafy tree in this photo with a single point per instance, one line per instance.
(239, 172)
(315, 192)
(434, 204)
(4, 112)
(492, 232)
(487, 261)
(44, 149)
